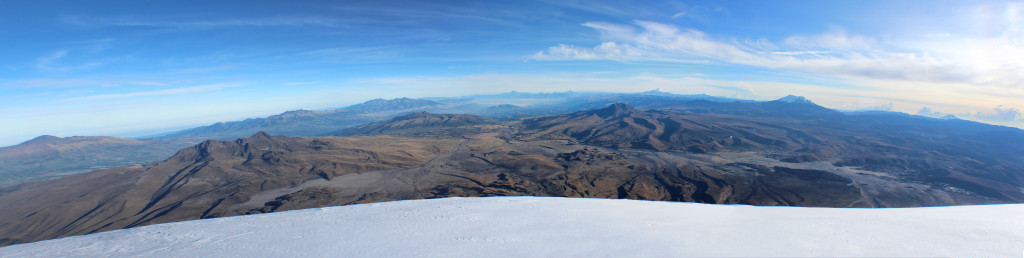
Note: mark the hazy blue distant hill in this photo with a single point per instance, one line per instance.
(399, 104)
(291, 123)
(49, 156)
(306, 123)
(520, 104)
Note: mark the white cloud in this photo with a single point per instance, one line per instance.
(835, 40)
(979, 61)
(926, 111)
(567, 52)
(653, 41)
(1000, 115)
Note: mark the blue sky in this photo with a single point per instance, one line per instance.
(131, 68)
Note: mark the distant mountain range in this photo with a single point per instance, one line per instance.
(386, 105)
(309, 123)
(513, 105)
(788, 152)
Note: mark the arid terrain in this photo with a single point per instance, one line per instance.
(614, 152)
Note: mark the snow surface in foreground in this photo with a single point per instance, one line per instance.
(534, 226)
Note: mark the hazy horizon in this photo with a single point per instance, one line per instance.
(118, 67)
(139, 134)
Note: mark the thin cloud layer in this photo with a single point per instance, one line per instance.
(1001, 115)
(980, 61)
(200, 24)
(172, 91)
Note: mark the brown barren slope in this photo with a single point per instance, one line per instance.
(616, 152)
(198, 182)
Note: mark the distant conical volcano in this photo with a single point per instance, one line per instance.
(795, 99)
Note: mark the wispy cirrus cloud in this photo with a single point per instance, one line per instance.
(41, 83)
(52, 62)
(298, 83)
(172, 91)
(343, 16)
(348, 54)
(205, 69)
(79, 55)
(420, 11)
(88, 21)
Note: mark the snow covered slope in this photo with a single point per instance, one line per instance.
(533, 226)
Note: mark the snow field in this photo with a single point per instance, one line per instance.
(547, 226)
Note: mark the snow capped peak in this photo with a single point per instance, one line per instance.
(795, 99)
